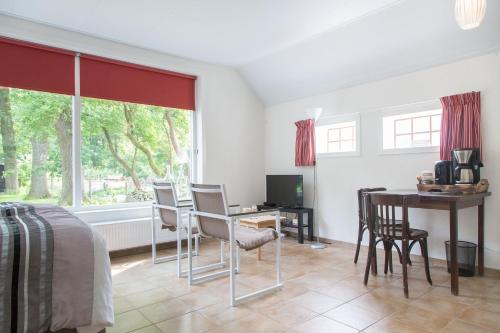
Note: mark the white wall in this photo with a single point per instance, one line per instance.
(339, 178)
(230, 115)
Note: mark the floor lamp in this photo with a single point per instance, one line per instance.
(315, 114)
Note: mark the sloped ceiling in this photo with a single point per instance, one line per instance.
(286, 49)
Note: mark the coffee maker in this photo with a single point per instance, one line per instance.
(465, 165)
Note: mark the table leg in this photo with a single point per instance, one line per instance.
(310, 226)
(259, 257)
(300, 217)
(453, 248)
(480, 238)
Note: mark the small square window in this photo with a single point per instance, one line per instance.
(402, 126)
(421, 124)
(412, 130)
(337, 135)
(334, 134)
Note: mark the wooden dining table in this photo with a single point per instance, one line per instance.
(452, 203)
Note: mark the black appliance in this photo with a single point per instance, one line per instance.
(443, 173)
(284, 191)
(466, 165)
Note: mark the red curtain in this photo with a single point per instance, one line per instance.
(36, 67)
(461, 123)
(304, 143)
(121, 81)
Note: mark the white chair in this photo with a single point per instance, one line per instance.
(214, 220)
(170, 211)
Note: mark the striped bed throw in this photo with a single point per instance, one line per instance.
(54, 271)
(26, 249)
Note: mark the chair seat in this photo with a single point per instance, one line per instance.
(194, 229)
(249, 239)
(414, 234)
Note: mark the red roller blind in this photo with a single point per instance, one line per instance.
(116, 80)
(36, 67)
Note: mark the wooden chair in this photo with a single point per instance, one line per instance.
(363, 216)
(383, 227)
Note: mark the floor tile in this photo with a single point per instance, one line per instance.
(222, 313)
(188, 323)
(144, 298)
(482, 318)
(128, 321)
(148, 329)
(354, 316)
(254, 323)
(165, 310)
(316, 302)
(288, 313)
(448, 306)
(390, 325)
(121, 304)
(460, 326)
(322, 324)
(424, 319)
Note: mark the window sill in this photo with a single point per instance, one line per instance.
(112, 207)
(415, 150)
(335, 155)
(113, 213)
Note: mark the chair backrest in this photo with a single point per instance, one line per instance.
(165, 195)
(382, 214)
(211, 199)
(362, 204)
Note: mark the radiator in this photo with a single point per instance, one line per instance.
(127, 234)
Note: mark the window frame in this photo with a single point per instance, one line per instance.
(402, 110)
(97, 213)
(332, 120)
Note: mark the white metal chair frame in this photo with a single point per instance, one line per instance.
(179, 207)
(234, 267)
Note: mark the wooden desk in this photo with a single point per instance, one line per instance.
(452, 203)
(265, 221)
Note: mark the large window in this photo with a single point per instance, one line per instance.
(412, 130)
(80, 130)
(36, 150)
(126, 146)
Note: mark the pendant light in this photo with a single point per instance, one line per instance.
(470, 13)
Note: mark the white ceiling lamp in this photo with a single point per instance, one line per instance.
(314, 113)
(470, 13)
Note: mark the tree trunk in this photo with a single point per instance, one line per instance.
(39, 187)
(8, 142)
(130, 170)
(179, 152)
(64, 139)
(129, 134)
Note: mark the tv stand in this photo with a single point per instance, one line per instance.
(300, 211)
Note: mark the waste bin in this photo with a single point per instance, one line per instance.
(466, 254)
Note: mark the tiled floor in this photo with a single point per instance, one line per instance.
(323, 292)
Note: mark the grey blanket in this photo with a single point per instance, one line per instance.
(46, 269)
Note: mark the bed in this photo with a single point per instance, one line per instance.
(55, 272)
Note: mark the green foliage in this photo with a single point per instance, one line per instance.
(35, 115)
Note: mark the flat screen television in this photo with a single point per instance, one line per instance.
(285, 190)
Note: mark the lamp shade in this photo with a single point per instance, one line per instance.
(314, 113)
(470, 13)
